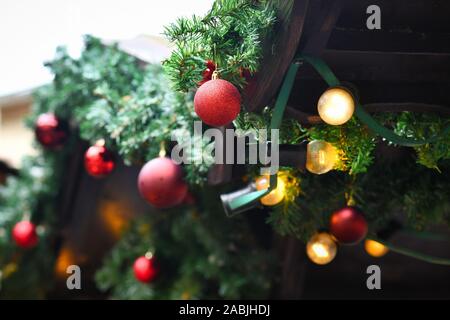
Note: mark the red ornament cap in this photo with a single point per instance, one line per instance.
(145, 269)
(98, 161)
(348, 225)
(24, 234)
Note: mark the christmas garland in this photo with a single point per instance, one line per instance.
(226, 40)
(134, 111)
(106, 95)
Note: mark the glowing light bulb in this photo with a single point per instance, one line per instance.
(336, 106)
(321, 248)
(321, 157)
(375, 249)
(276, 195)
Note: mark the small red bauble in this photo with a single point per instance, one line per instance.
(217, 102)
(145, 269)
(211, 65)
(98, 161)
(208, 72)
(50, 131)
(160, 182)
(348, 225)
(24, 234)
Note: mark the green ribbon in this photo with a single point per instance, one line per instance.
(253, 197)
(325, 72)
(414, 254)
(277, 117)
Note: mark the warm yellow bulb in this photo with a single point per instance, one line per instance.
(336, 106)
(321, 156)
(321, 248)
(375, 249)
(276, 195)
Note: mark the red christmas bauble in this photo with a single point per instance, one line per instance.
(217, 102)
(145, 269)
(211, 65)
(98, 161)
(348, 225)
(160, 182)
(50, 131)
(208, 72)
(24, 234)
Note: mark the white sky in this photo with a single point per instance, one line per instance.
(30, 30)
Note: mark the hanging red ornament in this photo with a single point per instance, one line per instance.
(210, 65)
(145, 269)
(24, 234)
(50, 131)
(348, 225)
(208, 72)
(160, 182)
(98, 160)
(217, 102)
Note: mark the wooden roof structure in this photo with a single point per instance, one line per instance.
(405, 65)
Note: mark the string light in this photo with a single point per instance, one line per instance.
(276, 195)
(321, 156)
(321, 248)
(375, 249)
(336, 106)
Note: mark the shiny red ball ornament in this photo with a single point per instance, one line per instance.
(160, 182)
(24, 234)
(217, 102)
(51, 132)
(145, 269)
(99, 161)
(348, 225)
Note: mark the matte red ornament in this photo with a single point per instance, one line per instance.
(217, 102)
(348, 225)
(145, 269)
(24, 234)
(98, 161)
(51, 132)
(160, 182)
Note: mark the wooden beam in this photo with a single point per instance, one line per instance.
(389, 41)
(294, 267)
(414, 15)
(278, 54)
(323, 23)
(384, 66)
(221, 173)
